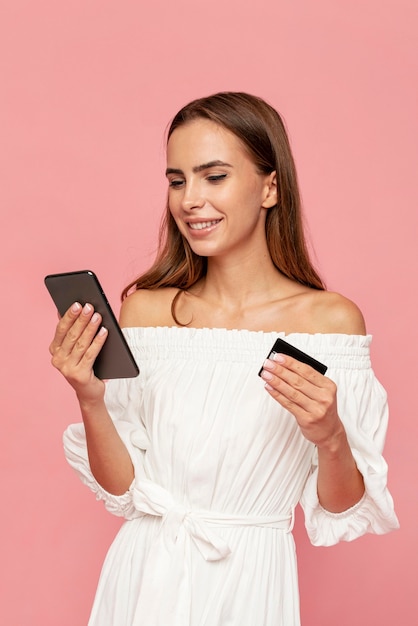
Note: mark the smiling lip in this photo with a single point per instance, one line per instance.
(203, 225)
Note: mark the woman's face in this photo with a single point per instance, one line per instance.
(216, 195)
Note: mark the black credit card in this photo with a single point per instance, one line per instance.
(282, 347)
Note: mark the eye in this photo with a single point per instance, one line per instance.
(216, 178)
(176, 183)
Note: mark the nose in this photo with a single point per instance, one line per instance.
(192, 196)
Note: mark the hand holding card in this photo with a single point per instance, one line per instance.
(283, 347)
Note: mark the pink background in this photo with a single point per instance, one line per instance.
(87, 88)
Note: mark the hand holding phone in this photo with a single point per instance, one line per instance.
(115, 359)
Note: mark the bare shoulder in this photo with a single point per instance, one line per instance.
(147, 307)
(333, 313)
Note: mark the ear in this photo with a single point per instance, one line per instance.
(270, 194)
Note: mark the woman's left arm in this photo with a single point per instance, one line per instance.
(312, 399)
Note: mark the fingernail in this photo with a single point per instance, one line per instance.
(95, 318)
(102, 331)
(76, 307)
(269, 365)
(266, 375)
(87, 309)
(279, 358)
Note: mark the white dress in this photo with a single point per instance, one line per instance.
(219, 469)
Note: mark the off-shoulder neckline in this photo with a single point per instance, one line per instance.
(245, 331)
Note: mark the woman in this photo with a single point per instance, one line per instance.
(205, 459)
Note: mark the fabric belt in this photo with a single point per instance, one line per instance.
(165, 595)
(151, 499)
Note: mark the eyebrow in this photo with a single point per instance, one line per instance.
(198, 168)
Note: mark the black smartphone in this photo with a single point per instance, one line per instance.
(286, 348)
(115, 359)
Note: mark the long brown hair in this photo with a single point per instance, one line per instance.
(263, 134)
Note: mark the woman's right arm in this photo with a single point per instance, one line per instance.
(74, 348)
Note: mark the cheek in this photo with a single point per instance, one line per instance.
(173, 204)
(250, 199)
(250, 189)
(176, 216)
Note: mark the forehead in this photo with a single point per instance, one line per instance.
(202, 141)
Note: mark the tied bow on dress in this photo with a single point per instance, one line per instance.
(166, 591)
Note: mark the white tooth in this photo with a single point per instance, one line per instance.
(201, 225)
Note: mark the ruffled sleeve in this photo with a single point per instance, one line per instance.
(123, 401)
(363, 408)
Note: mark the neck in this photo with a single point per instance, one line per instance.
(238, 283)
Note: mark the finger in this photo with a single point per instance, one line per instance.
(80, 361)
(92, 352)
(65, 322)
(300, 412)
(81, 335)
(85, 334)
(69, 342)
(75, 360)
(301, 369)
(290, 382)
(289, 396)
(295, 392)
(77, 328)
